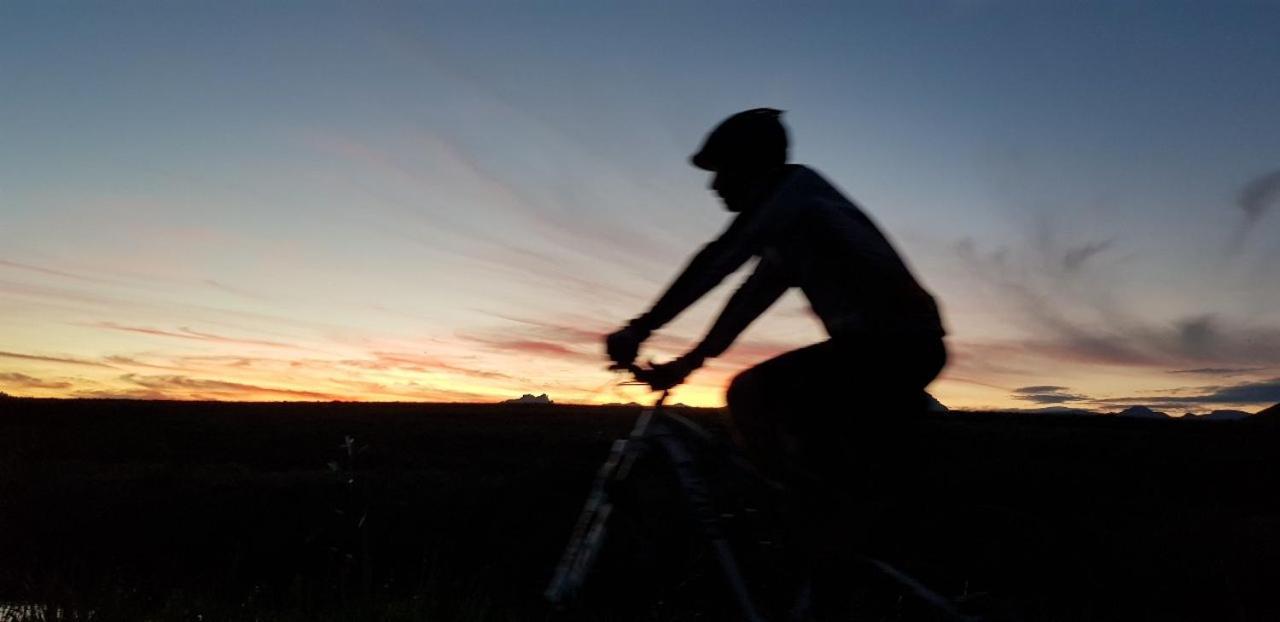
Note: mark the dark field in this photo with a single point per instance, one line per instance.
(186, 511)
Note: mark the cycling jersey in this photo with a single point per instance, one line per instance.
(807, 235)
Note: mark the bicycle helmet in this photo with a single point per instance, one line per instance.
(751, 139)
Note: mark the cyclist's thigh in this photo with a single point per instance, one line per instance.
(857, 412)
(763, 391)
(762, 399)
(791, 370)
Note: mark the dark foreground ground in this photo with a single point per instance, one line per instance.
(207, 511)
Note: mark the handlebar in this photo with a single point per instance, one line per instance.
(639, 373)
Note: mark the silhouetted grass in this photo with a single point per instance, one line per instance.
(185, 511)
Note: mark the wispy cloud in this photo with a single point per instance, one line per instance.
(422, 363)
(1218, 371)
(565, 332)
(546, 348)
(1082, 321)
(66, 360)
(14, 380)
(1193, 340)
(1245, 393)
(122, 394)
(1256, 197)
(1075, 257)
(586, 338)
(1259, 196)
(187, 333)
(49, 271)
(753, 351)
(1047, 394)
(1253, 393)
(223, 287)
(128, 361)
(63, 295)
(526, 231)
(177, 386)
(518, 342)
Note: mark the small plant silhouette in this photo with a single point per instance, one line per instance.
(349, 538)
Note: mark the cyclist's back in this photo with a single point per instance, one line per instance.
(821, 242)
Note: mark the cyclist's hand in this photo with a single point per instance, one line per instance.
(664, 376)
(623, 345)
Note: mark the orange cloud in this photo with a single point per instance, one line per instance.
(15, 380)
(528, 346)
(126, 361)
(537, 347)
(121, 394)
(411, 391)
(177, 386)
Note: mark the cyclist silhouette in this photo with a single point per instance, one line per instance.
(886, 336)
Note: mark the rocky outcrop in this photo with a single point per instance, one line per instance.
(529, 398)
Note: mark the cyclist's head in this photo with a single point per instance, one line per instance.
(751, 139)
(743, 151)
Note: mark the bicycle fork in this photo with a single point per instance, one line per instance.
(698, 497)
(589, 531)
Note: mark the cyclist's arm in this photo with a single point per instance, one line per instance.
(717, 260)
(754, 297)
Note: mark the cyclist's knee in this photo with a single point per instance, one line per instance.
(743, 394)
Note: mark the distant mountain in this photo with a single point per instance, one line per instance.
(1274, 411)
(1225, 415)
(529, 398)
(1050, 410)
(1142, 412)
(634, 404)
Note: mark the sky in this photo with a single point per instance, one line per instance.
(426, 201)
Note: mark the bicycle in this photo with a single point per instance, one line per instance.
(681, 442)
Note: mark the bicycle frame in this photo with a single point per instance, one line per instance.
(655, 428)
(669, 432)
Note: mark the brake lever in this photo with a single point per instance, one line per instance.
(637, 372)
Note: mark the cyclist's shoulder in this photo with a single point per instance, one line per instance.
(800, 179)
(802, 199)
(803, 187)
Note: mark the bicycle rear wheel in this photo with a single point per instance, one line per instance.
(994, 562)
